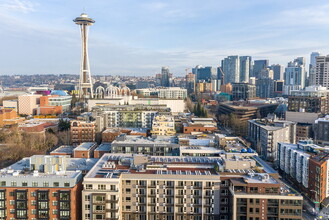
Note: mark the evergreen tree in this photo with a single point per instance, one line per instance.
(74, 100)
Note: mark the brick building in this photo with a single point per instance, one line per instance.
(40, 187)
(82, 131)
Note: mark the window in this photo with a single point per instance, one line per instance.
(64, 196)
(67, 184)
(64, 214)
(13, 183)
(34, 184)
(87, 207)
(43, 213)
(2, 195)
(21, 205)
(89, 186)
(55, 203)
(43, 195)
(55, 194)
(21, 213)
(101, 187)
(55, 211)
(12, 202)
(99, 198)
(56, 184)
(45, 184)
(3, 183)
(21, 195)
(87, 198)
(24, 183)
(64, 205)
(42, 205)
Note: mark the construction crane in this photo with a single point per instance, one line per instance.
(223, 75)
(186, 70)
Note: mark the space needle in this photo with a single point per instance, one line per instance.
(85, 83)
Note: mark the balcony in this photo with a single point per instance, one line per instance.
(112, 209)
(112, 200)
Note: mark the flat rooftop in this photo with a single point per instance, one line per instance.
(200, 149)
(139, 139)
(64, 149)
(115, 165)
(85, 146)
(105, 146)
(21, 170)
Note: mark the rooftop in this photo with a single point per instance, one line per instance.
(139, 139)
(64, 149)
(114, 165)
(104, 147)
(85, 146)
(23, 169)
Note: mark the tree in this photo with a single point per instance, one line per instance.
(64, 125)
(74, 100)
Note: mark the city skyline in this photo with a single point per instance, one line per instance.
(138, 38)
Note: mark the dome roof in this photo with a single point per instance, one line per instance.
(58, 92)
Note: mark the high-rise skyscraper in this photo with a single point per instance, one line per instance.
(245, 68)
(85, 83)
(278, 71)
(322, 71)
(312, 69)
(231, 69)
(165, 77)
(204, 73)
(295, 73)
(190, 82)
(259, 65)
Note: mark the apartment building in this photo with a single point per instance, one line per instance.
(123, 186)
(82, 131)
(160, 146)
(135, 116)
(259, 196)
(85, 150)
(312, 99)
(265, 134)
(321, 72)
(163, 125)
(306, 164)
(203, 125)
(172, 93)
(41, 187)
(243, 91)
(321, 130)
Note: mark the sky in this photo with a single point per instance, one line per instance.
(138, 37)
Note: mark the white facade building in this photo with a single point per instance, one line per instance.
(28, 104)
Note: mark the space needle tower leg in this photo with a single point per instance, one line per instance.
(85, 83)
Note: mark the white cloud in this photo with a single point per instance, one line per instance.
(24, 6)
(312, 15)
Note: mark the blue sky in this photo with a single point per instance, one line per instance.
(137, 37)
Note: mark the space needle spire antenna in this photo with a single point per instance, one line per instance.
(85, 83)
